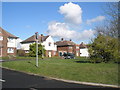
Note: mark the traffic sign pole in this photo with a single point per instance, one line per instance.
(36, 48)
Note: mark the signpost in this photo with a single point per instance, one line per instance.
(36, 48)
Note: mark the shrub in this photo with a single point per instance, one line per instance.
(32, 51)
(104, 49)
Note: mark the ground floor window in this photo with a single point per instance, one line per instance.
(26, 51)
(10, 50)
(60, 53)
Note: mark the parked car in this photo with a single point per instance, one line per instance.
(68, 56)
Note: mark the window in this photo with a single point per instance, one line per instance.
(49, 44)
(10, 39)
(70, 47)
(77, 47)
(1, 38)
(10, 50)
(60, 53)
(26, 51)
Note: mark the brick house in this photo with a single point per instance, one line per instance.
(7, 43)
(46, 41)
(65, 46)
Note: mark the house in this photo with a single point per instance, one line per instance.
(7, 43)
(46, 41)
(65, 46)
(84, 50)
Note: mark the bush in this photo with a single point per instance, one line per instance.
(32, 52)
(104, 49)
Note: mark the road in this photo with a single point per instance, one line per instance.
(14, 79)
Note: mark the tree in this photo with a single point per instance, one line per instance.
(110, 26)
(32, 52)
(104, 49)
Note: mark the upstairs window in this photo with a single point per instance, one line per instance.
(10, 39)
(49, 44)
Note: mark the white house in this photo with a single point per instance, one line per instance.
(83, 50)
(46, 41)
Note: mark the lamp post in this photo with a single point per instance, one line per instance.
(42, 46)
(36, 48)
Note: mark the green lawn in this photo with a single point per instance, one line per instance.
(78, 69)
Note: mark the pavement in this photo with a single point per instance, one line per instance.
(15, 79)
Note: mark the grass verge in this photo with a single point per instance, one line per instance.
(105, 73)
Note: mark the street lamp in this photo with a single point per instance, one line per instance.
(36, 34)
(42, 47)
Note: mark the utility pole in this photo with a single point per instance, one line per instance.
(36, 48)
(42, 47)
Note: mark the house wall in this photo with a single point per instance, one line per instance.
(52, 45)
(70, 49)
(77, 50)
(6, 43)
(50, 50)
(50, 53)
(84, 52)
(25, 46)
(62, 49)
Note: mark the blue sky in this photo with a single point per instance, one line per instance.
(23, 19)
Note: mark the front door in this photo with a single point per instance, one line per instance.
(49, 54)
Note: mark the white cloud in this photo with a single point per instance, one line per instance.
(98, 18)
(72, 13)
(61, 30)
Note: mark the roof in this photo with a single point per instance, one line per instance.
(7, 33)
(33, 39)
(65, 43)
(82, 45)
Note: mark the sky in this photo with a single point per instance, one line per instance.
(68, 20)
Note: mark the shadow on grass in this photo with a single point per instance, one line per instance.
(82, 61)
(32, 64)
(86, 62)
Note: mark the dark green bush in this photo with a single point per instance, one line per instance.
(104, 49)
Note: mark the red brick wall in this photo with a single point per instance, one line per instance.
(69, 50)
(65, 49)
(4, 44)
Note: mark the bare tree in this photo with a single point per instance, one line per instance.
(110, 26)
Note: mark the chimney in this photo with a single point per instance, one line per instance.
(41, 34)
(62, 39)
